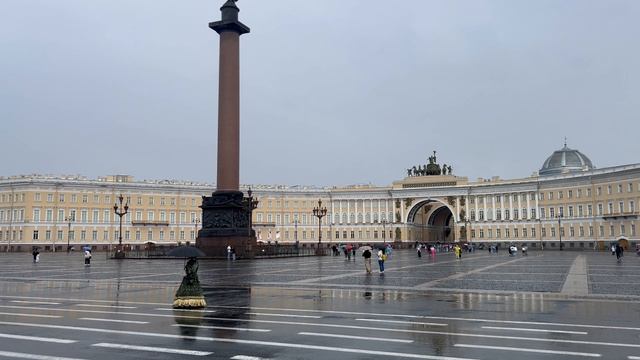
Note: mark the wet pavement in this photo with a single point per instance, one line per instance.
(552, 305)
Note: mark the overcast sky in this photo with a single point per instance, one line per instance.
(333, 92)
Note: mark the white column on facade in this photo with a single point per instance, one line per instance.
(510, 206)
(502, 206)
(379, 210)
(386, 210)
(528, 206)
(356, 211)
(476, 202)
(457, 215)
(401, 211)
(371, 211)
(522, 216)
(484, 202)
(333, 210)
(348, 211)
(493, 205)
(340, 210)
(466, 207)
(537, 206)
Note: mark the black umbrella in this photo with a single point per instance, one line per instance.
(186, 252)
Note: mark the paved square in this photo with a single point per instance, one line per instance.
(546, 305)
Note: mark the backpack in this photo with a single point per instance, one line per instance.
(384, 257)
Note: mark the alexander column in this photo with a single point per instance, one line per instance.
(226, 214)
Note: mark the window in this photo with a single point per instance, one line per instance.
(621, 206)
(611, 231)
(96, 198)
(506, 214)
(138, 235)
(561, 211)
(533, 232)
(560, 194)
(589, 192)
(524, 232)
(580, 212)
(498, 214)
(47, 235)
(61, 198)
(570, 194)
(610, 208)
(553, 232)
(498, 234)
(481, 215)
(570, 211)
(36, 216)
(550, 195)
(35, 234)
(633, 230)
(481, 233)
(552, 212)
(572, 232)
(94, 235)
(515, 232)
(619, 188)
(622, 229)
(632, 206)
(609, 189)
(36, 197)
(542, 213)
(591, 231)
(543, 232)
(59, 235)
(151, 200)
(630, 187)
(85, 198)
(515, 214)
(601, 230)
(149, 235)
(598, 191)
(74, 198)
(49, 197)
(589, 210)
(578, 193)
(506, 232)
(599, 209)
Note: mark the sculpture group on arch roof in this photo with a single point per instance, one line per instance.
(432, 168)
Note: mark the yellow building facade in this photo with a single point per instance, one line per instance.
(567, 202)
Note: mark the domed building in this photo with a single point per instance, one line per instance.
(565, 161)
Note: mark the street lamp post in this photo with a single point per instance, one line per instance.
(466, 229)
(69, 219)
(120, 211)
(295, 231)
(196, 221)
(560, 230)
(319, 212)
(384, 231)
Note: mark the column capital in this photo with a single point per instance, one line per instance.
(229, 21)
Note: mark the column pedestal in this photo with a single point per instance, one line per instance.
(226, 221)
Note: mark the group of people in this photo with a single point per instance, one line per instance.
(382, 255)
(87, 255)
(618, 251)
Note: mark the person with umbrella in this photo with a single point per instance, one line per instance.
(189, 294)
(366, 254)
(36, 254)
(87, 255)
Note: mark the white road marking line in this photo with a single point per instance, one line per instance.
(633, 357)
(356, 337)
(541, 351)
(115, 320)
(107, 306)
(437, 317)
(245, 357)
(192, 310)
(403, 322)
(16, 355)
(102, 312)
(37, 338)
(239, 341)
(153, 349)
(286, 315)
(35, 302)
(78, 300)
(536, 330)
(222, 328)
(31, 315)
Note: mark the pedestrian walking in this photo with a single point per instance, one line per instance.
(228, 252)
(613, 249)
(366, 254)
(419, 248)
(353, 252)
(87, 257)
(347, 251)
(36, 255)
(233, 254)
(619, 252)
(381, 259)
